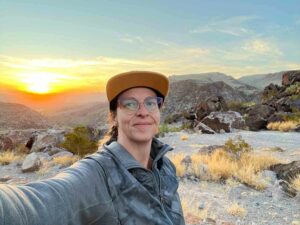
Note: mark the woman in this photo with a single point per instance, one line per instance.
(129, 181)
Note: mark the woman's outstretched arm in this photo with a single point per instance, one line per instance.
(77, 196)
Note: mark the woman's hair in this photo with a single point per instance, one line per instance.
(112, 133)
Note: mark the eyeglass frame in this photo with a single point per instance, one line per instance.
(159, 101)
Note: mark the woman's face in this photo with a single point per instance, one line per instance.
(140, 125)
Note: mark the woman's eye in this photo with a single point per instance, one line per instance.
(151, 103)
(130, 104)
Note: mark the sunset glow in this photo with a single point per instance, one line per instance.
(39, 82)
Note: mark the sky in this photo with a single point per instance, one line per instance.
(51, 46)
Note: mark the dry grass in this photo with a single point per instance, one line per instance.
(44, 169)
(184, 137)
(236, 210)
(10, 157)
(65, 161)
(283, 126)
(296, 183)
(221, 165)
(180, 167)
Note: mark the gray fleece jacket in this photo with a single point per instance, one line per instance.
(107, 188)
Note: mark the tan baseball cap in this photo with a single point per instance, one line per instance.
(123, 81)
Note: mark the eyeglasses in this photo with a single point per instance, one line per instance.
(132, 105)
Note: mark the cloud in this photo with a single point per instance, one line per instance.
(235, 26)
(263, 47)
(132, 39)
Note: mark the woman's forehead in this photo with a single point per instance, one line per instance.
(137, 92)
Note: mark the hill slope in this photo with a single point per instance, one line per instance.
(93, 114)
(205, 78)
(18, 116)
(260, 81)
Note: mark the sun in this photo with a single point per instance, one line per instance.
(39, 82)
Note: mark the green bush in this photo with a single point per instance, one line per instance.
(164, 128)
(294, 89)
(237, 146)
(79, 142)
(292, 116)
(239, 106)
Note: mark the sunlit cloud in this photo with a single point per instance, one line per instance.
(235, 26)
(260, 46)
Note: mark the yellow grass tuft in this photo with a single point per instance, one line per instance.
(65, 161)
(222, 165)
(180, 167)
(283, 126)
(296, 183)
(184, 137)
(9, 157)
(236, 210)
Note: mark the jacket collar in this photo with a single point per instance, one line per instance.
(158, 150)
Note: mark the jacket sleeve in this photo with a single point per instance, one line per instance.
(77, 196)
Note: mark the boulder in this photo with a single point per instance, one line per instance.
(297, 129)
(216, 125)
(46, 141)
(63, 154)
(226, 121)
(290, 77)
(6, 143)
(258, 116)
(211, 104)
(286, 171)
(204, 129)
(31, 163)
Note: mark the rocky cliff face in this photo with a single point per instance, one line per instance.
(17, 116)
(185, 94)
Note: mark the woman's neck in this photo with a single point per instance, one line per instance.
(139, 150)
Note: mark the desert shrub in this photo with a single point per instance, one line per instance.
(164, 128)
(79, 142)
(220, 166)
(293, 89)
(269, 95)
(236, 210)
(8, 157)
(295, 116)
(177, 160)
(65, 161)
(282, 126)
(239, 106)
(237, 146)
(296, 183)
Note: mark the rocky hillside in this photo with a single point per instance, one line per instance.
(260, 81)
(205, 78)
(17, 116)
(185, 94)
(94, 114)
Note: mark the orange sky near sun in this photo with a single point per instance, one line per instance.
(49, 90)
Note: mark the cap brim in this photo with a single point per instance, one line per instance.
(121, 82)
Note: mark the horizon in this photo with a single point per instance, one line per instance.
(51, 48)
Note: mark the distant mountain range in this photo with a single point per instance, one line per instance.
(185, 92)
(262, 80)
(92, 114)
